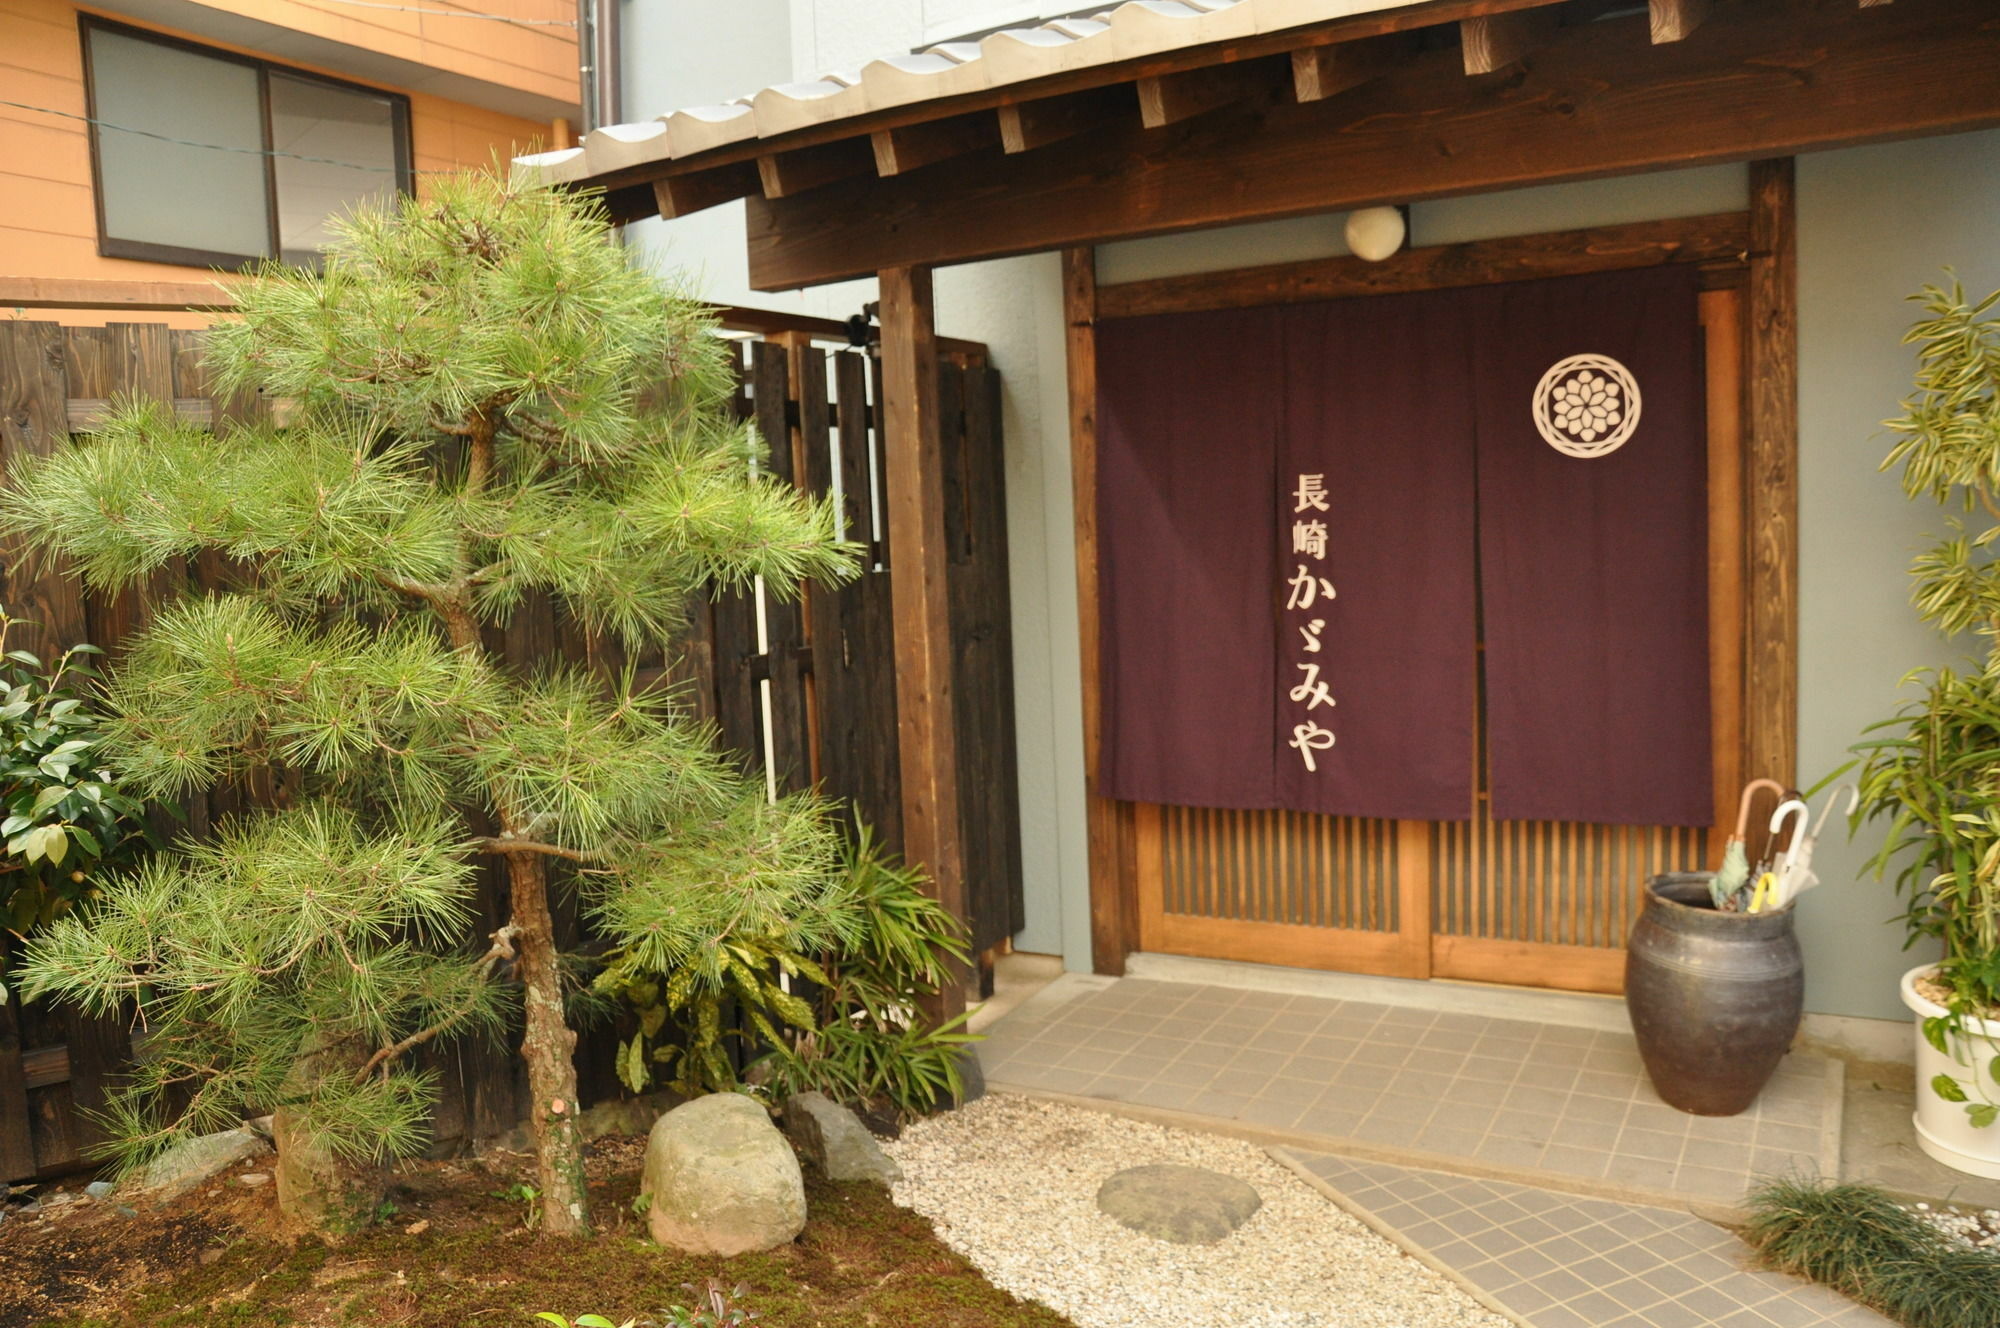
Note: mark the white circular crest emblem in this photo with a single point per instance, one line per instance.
(1587, 405)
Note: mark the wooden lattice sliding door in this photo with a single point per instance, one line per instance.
(1534, 903)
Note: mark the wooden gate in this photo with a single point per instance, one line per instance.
(1535, 903)
(803, 691)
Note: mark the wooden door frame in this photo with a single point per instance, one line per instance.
(1757, 249)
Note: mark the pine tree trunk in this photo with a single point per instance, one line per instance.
(319, 1192)
(548, 1045)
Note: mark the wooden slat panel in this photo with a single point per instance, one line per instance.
(982, 652)
(34, 387)
(852, 629)
(779, 371)
(17, 1142)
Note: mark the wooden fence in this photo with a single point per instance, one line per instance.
(804, 692)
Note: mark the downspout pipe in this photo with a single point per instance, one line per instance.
(597, 48)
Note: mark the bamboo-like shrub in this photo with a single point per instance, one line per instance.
(1934, 773)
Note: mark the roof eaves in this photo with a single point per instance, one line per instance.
(1013, 56)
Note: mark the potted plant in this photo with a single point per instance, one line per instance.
(1934, 770)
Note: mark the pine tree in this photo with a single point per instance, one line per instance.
(488, 402)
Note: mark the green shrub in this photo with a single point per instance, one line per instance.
(65, 818)
(1860, 1242)
(846, 1023)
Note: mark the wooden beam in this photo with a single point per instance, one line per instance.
(681, 195)
(913, 466)
(1772, 426)
(1673, 20)
(1723, 238)
(1491, 42)
(898, 151)
(1768, 79)
(1025, 126)
(136, 296)
(1171, 98)
(783, 174)
(1319, 72)
(773, 324)
(1112, 74)
(1114, 925)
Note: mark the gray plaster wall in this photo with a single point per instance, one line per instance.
(1874, 224)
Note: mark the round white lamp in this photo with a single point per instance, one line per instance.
(1375, 233)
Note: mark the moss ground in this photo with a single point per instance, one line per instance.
(455, 1254)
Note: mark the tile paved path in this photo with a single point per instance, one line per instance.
(1506, 1095)
(1562, 1261)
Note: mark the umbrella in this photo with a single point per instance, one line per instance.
(1770, 893)
(1795, 877)
(1735, 872)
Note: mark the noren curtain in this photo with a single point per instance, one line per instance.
(1442, 516)
(1375, 402)
(1594, 571)
(1188, 417)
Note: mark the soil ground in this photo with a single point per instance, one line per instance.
(456, 1253)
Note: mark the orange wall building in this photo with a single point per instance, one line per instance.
(230, 129)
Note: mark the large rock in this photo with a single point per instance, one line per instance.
(1184, 1205)
(833, 1139)
(722, 1179)
(192, 1161)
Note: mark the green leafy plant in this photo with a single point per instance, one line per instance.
(846, 1021)
(1934, 771)
(1860, 1242)
(714, 1307)
(66, 818)
(492, 406)
(528, 1197)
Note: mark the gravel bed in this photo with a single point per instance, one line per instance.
(1977, 1228)
(1011, 1183)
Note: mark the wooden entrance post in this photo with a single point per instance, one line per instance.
(913, 461)
(1113, 900)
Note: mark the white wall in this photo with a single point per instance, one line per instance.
(687, 54)
(1874, 224)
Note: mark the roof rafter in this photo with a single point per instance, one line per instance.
(1765, 79)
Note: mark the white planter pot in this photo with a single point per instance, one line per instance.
(1943, 1129)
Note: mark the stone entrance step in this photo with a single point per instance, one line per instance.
(1550, 1259)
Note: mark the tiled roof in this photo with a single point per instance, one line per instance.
(1016, 55)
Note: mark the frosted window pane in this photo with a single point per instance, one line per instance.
(339, 125)
(167, 193)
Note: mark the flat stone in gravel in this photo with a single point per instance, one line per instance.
(1012, 1184)
(1184, 1205)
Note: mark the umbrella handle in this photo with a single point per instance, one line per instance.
(1826, 810)
(1743, 803)
(1800, 813)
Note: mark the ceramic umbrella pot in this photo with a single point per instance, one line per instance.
(1715, 997)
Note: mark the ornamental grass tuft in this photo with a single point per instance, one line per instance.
(1860, 1242)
